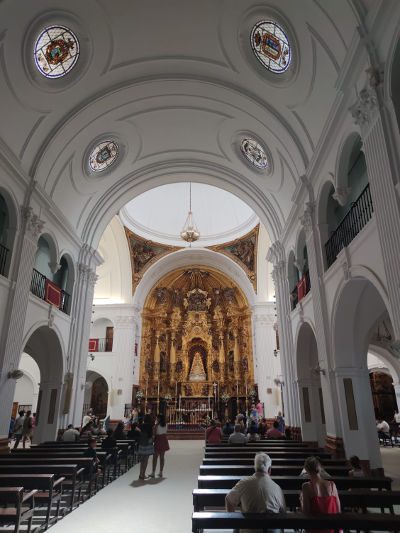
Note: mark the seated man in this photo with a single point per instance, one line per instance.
(274, 432)
(109, 442)
(257, 493)
(70, 434)
(237, 436)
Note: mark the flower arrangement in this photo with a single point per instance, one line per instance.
(225, 397)
(139, 395)
(253, 393)
(167, 397)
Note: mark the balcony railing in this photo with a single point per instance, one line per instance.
(359, 215)
(302, 288)
(101, 345)
(3, 259)
(48, 291)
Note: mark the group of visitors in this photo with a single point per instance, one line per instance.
(387, 429)
(243, 429)
(153, 441)
(22, 428)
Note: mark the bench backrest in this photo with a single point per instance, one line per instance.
(28, 481)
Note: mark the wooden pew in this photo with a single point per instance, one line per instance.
(73, 474)
(49, 490)
(16, 506)
(270, 442)
(257, 447)
(326, 463)
(295, 482)
(347, 521)
(277, 470)
(362, 499)
(243, 453)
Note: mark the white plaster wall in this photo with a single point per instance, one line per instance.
(265, 286)
(114, 284)
(27, 388)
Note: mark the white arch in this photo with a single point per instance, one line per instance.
(186, 257)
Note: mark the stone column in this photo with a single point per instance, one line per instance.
(13, 330)
(372, 116)
(81, 314)
(396, 387)
(312, 417)
(47, 422)
(322, 332)
(268, 367)
(357, 415)
(276, 255)
(124, 346)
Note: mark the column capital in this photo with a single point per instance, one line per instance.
(88, 274)
(33, 224)
(307, 219)
(341, 195)
(367, 104)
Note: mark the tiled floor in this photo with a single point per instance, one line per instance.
(165, 505)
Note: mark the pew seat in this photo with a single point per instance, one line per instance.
(16, 506)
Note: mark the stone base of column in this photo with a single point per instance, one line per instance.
(334, 445)
(4, 446)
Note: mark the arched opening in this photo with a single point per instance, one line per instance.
(44, 347)
(359, 312)
(384, 382)
(395, 83)
(52, 281)
(96, 394)
(346, 209)
(303, 285)
(310, 391)
(26, 392)
(101, 336)
(8, 227)
(293, 278)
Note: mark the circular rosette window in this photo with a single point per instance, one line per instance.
(271, 46)
(56, 51)
(254, 153)
(103, 156)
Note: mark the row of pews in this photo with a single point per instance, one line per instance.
(39, 485)
(224, 465)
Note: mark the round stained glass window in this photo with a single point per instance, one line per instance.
(56, 51)
(271, 46)
(103, 156)
(254, 153)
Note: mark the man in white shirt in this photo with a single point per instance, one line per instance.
(71, 434)
(383, 428)
(237, 437)
(257, 493)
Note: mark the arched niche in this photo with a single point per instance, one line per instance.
(359, 308)
(96, 394)
(101, 335)
(44, 346)
(293, 278)
(309, 382)
(8, 229)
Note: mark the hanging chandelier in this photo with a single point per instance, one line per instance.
(189, 232)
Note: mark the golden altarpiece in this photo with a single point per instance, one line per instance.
(196, 349)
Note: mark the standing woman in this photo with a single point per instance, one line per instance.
(146, 447)
(161, 444)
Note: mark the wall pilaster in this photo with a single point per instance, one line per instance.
(13, 330)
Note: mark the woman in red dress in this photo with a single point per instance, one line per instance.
(161, 444)
(318, 496)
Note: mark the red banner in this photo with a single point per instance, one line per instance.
(52, 294)
(93, 345)
(301, 288)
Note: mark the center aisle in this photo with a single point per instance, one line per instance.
(150, 506)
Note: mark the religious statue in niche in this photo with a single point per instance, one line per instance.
(215, 366)
(245, 364)
(197, 372)
(197, 300)
(163, 362)
(231, 364)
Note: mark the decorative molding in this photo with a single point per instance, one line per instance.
(363, 110)
(244, 252)
(33, 224)
(341, 195)
(307, 219)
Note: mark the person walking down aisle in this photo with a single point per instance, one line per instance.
(318, 496)
(18, 427)
(161, 444)
(146, 446)
(27, 428)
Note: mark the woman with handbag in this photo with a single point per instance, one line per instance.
(146, 446)
(161, 444)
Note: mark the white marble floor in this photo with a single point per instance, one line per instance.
(150, 506)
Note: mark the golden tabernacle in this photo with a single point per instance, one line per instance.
(196, 349)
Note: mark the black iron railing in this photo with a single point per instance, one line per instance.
(3, 259)
(359, 215)
(38, 288)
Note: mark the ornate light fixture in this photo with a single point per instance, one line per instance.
(190, 233)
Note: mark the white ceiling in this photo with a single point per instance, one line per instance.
(176, 84)
(160, 214)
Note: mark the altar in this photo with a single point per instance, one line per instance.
(196, 348)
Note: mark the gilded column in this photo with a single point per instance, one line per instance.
(371, 114)
(172, 357)
(12, 338)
